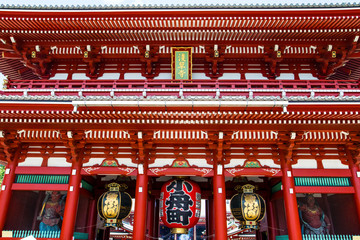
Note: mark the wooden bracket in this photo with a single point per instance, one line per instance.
(272, 58)
(218, 144)
(286, 144)
(142, 145)
(149, 58)
(215, 58)
(75, 141)
(10, 145)
(331, 59)
(25, 54)
(92, 58)
(352, 148)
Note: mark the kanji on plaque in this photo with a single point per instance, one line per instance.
(181, 63)
(180, 203)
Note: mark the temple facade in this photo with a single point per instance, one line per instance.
(213, 97)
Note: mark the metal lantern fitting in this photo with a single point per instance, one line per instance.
(114, 205)
(247, 207)
(180, 205)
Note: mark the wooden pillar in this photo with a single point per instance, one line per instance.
(106, 235)
(355, 179)
(156, 218)
(272, 226)
(72, 200)
(92, 217)
(219, 203)
(5, 193)
(140, 203)
(291, 209)
(207, 218)
(210, 224)
(150, 218)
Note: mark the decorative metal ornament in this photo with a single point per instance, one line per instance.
(114, 205)
(180, 205)
(147, 54)
(248, 207)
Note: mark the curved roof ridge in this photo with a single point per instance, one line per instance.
(181, 6)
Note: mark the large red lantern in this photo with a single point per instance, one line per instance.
(180, 205)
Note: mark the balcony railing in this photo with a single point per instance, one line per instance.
(320, 237)
(11, 234)
(183, 88)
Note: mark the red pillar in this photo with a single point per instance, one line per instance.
(5, 193)
(92, 217)
(72, 200)
(271, 220)
(156, 218)
(210, 224)
(291, 209)
(150, 218)
(354, 169)
(140, 205)
(219, 203)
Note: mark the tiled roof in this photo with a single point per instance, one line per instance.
(183, 6)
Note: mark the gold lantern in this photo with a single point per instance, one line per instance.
(247, 207)
(114, 205)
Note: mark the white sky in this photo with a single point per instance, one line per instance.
(119, 2)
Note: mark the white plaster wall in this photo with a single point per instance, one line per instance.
(231, 76)
(31, 162)
(161, 162)
(58, 162)
(255, 76)
(306, 163)
(333, 164)
(110, 76)
(307, 76)
(93, 161)
(201, 162)
(285, 76)
(60, 76)
(79, 76)
(269, 163)
(164, 76)
(126, 161)
(235, 162)
(133, 76)
(199, 76)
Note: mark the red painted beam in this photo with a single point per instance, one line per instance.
(126, 171)
(39, 187)
(339, 190)
(268, 172)
(43, 170)
(201, 172)
(321, 173)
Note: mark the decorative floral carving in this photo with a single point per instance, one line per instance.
(273, 171)
(157, 170)
(203, 170)
(128, 170)
(89, 170)
(233, 171)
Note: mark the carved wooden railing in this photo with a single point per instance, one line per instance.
(180, 88)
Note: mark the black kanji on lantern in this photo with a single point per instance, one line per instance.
(179, 202)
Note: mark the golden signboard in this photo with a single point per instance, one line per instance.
(181, 63)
